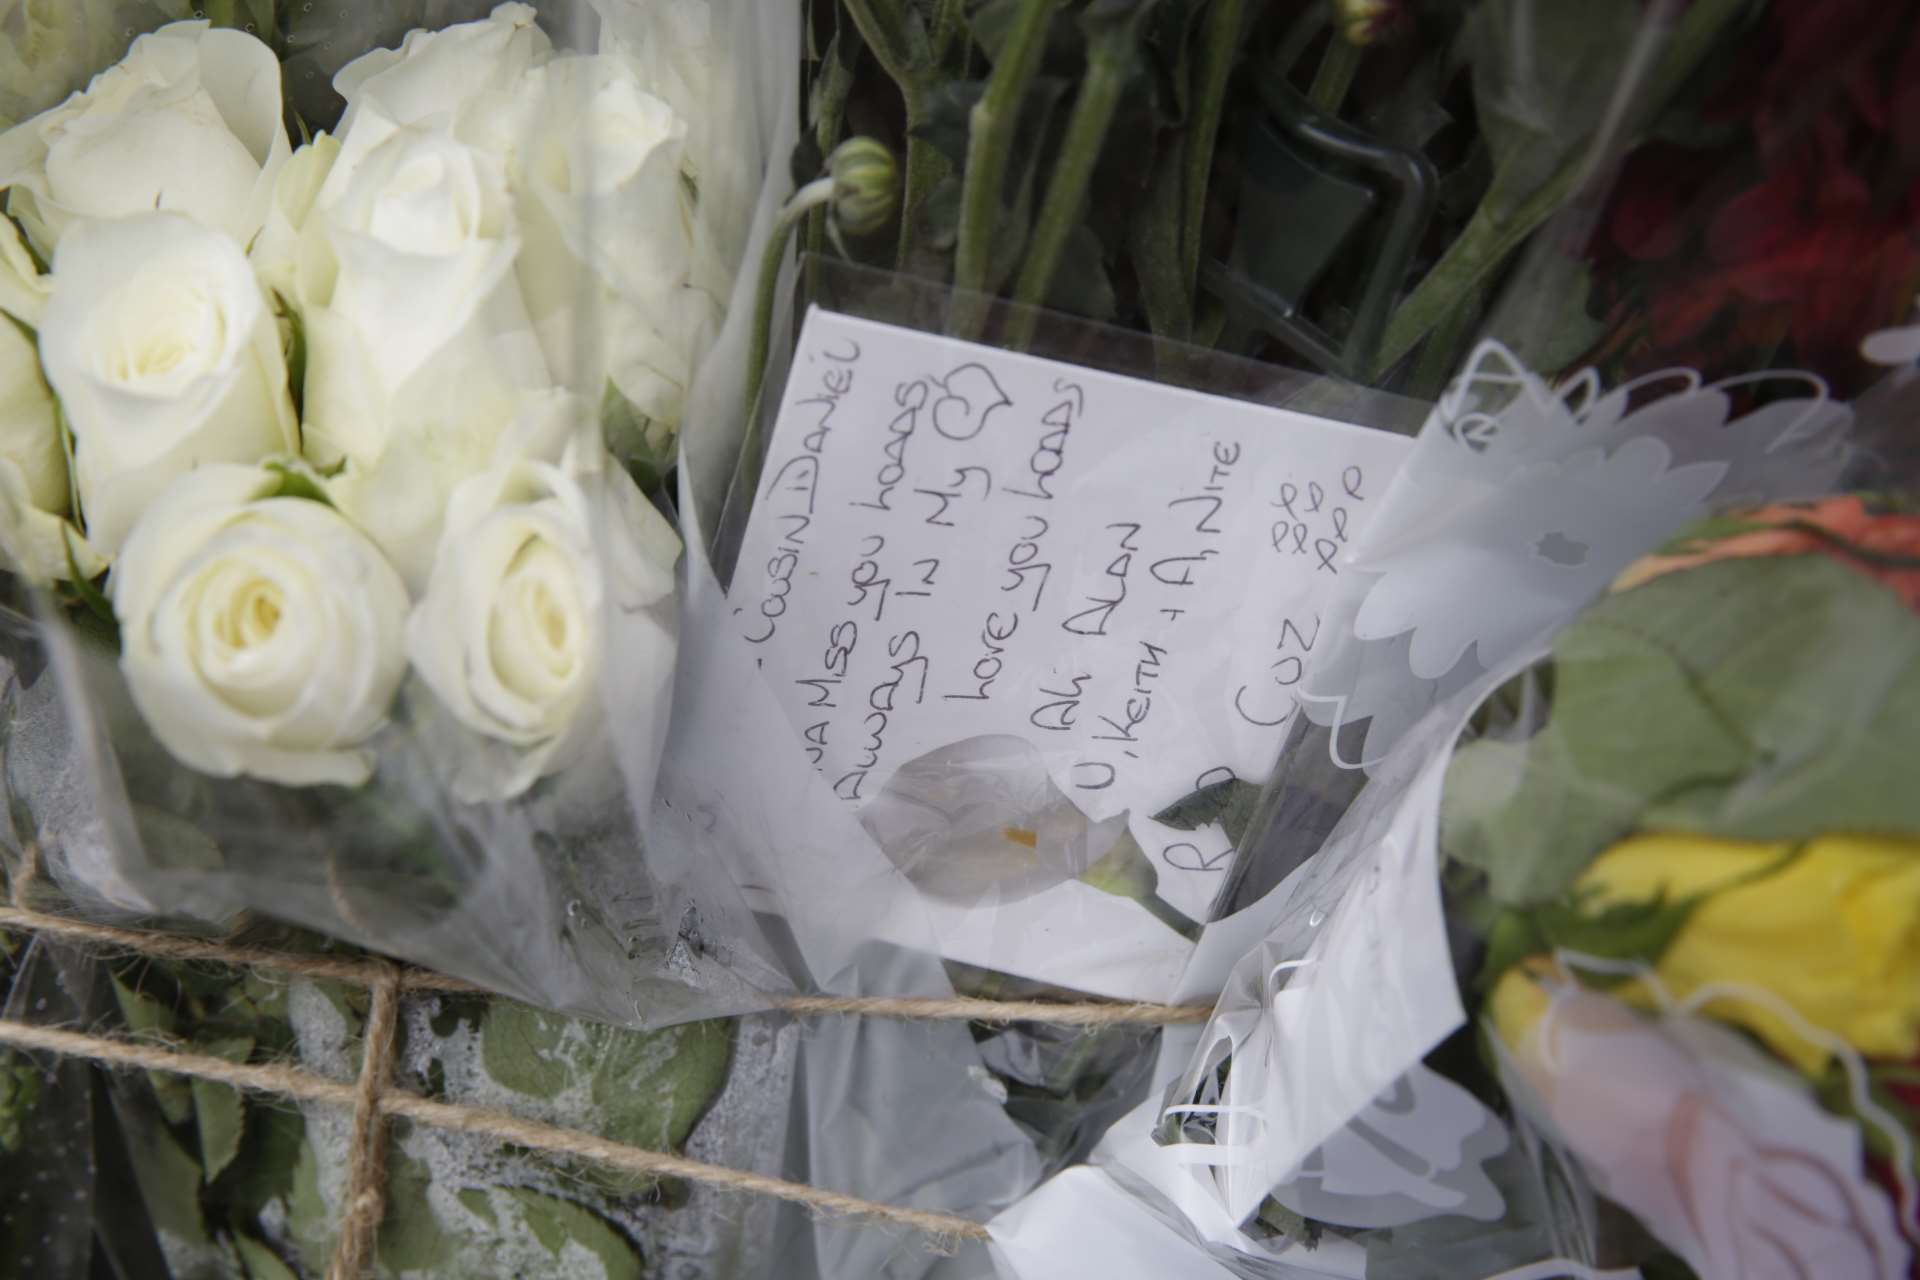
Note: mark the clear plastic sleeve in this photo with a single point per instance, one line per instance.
(386, 636)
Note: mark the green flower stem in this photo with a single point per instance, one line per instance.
(990, 131)
(925, 167)
(1335, 76)
(1220, 42)
(1483, 244)
(1169, 915)
(900, 45)
(810, 197)
(1154, 240)
(949, 22)
(1489, 236)
(1441, 353)
(830, 108)
(1108, 60)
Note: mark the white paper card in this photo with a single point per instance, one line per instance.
(951, 542)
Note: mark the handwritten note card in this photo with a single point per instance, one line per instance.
(951, 541)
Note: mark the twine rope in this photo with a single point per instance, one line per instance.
(367, 1146)
(304, 1086)
(369, 973)
(372, 1097)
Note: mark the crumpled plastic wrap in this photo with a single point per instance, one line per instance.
(552, 895)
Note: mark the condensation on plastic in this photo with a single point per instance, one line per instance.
(555, 897)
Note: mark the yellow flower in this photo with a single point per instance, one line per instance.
(1832, 931)
(1516, 1004)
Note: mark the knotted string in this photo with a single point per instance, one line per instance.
(372, 1098)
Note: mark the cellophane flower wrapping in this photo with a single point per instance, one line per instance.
(1501, 994)
(348, 346)
(346, 350)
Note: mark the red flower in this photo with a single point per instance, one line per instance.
(1806, 237)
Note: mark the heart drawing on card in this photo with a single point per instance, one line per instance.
(972, 395)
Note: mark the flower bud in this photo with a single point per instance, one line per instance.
(1365, 22)
(865, 181)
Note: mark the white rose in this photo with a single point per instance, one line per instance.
(276, 250)
(669, 45)
(164, 352)
(260, 635)
(35, 537)
(444, 73)
(512, 630)
(189, 120)
(419, 348)
(594, 162)
(609, 246)
(23, 290)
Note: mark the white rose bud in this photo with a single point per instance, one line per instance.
(419, 348)
(512, 630)
(260, 635)
(164, 352)
(189, 120)
(276, 250)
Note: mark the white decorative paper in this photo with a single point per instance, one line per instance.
(1011, 608)
(1521, 502)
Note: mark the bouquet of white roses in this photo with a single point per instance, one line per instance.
(333, 456)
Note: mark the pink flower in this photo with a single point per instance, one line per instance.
(1727, 1160)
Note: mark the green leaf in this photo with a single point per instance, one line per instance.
(219, 1110)
(297, 480)
(170, 1182)
(85, 590)
(646, 447)
(1290, 1225)
(1543, 79)
(479, 1204)
(555, 1222)
(1550, 321)
(411, 1237)
(148, 1019)
(1638, 931)
(310, 1224)
(1767, 700)
(1230, 802)
(20, 1091)
(261, 1262)
(948, 118)
(648, 1088)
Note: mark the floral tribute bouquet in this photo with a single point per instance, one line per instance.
(1614, 968)
(1696, 952)
(330, 438)
(345, 353)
